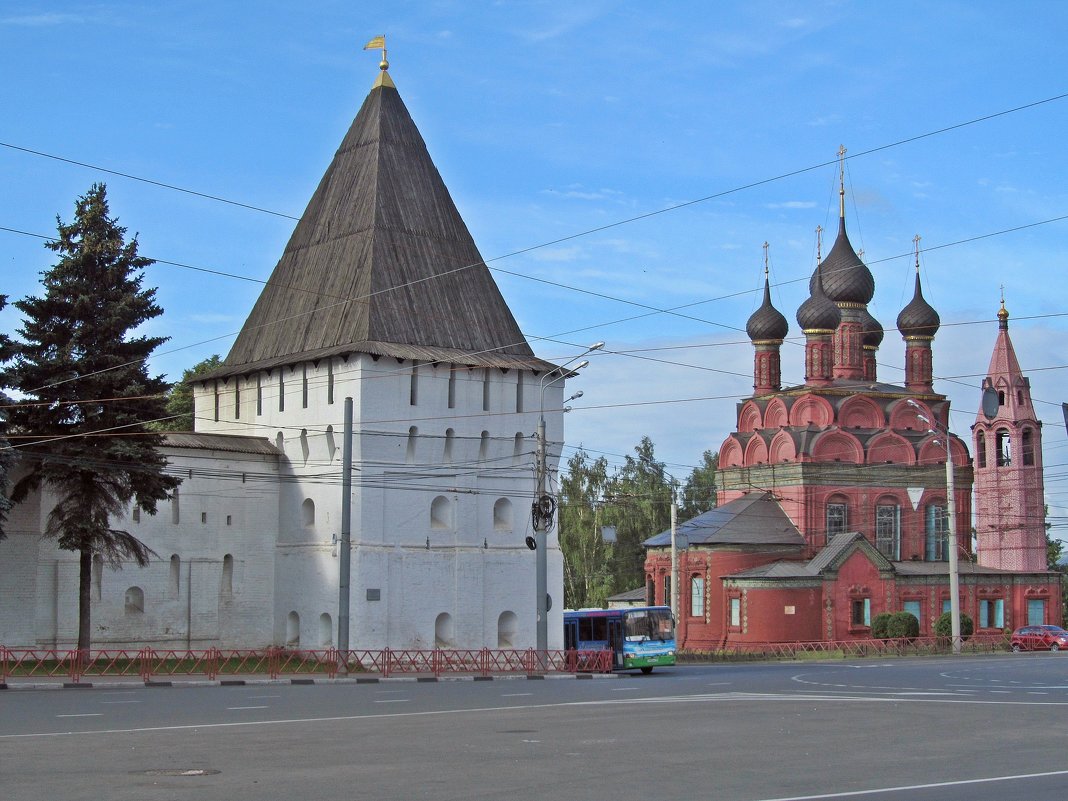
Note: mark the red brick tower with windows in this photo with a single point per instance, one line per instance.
(1010, 513)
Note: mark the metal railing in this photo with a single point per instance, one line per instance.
(150, 664)
(848, 649)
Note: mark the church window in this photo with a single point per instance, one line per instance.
(980, 448)
(413, 388)
(226, 586)
(444, 631)
(991, 613)
(936, 533)
(914, 608)
(450, 438)
(502, 515)
(135, 601)
(697, 596)
(307, 512)
(736, 613)
(176, 575)
(413, 437)
(888, 530)
(1003, 444)
(326, 631)
(293, 630)
(1028, 447)
(441, 513)
(507, 629)
(1036, 612)
(1001, 397)
(452, 386)
(837, 518)
(860, 612)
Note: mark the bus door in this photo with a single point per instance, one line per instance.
(615, 641)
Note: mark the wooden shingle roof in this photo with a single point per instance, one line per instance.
(381, 262)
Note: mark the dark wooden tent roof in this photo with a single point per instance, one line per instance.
(381, 262)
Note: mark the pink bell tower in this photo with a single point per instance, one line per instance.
(1010, 510)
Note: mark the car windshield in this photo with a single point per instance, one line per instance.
(649, 624)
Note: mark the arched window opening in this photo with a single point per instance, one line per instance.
(697, 596)
(507, 630)
(1019, 396)
(888, 528)
(331, 444)
(980, 448)
(936, 530)
(135, 601)
(483, 446)
(326, 631)
(280, 442)
(227, 584)
(441, 513)
(1001, 397)
(1003, 444)
(176, 575)
(1028, 447)
(175, 515)
(307, 512)
(837, 517)
(444, 633)
(413, 436)
(517, 449)
(293, 630)
(449, 438)
(502, 515)
(98, 576)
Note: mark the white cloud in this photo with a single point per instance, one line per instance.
(792, 204)
(43, 20)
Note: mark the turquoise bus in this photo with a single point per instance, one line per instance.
(640, 638)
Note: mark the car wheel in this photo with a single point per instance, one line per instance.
(1016, 647)
(1055, 647)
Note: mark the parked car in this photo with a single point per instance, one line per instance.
(1039, 638)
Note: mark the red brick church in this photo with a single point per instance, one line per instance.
(832, 495)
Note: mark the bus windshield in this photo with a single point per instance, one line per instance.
(642, 625)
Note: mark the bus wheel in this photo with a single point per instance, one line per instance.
(647, 670)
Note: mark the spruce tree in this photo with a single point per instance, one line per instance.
(88, 396)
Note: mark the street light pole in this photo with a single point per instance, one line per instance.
(951, 535)
(544, 505)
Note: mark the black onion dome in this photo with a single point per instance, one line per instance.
(819, 312)
(873, 330)
(846, 279)
(918, 319)
(767, 322)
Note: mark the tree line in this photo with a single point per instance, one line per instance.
(635, 501)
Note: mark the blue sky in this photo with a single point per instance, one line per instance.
(550, 120)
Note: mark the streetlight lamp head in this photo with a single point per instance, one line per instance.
(581, 365)
(596, 346)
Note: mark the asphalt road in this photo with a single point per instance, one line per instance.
(975, 728)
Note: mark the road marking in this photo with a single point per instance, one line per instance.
(120, 702)
(909, 787)
(258, 697)
(625, 689)
(83, 715)
(392, 701)
(514, 695)
(238, 708)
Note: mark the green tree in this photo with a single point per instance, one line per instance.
(699, 491)
(587, 557)
(180, 397)
(88, 394)
(639, 496)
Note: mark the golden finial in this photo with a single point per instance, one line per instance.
(819, 244)
(379, 43)
(841, 181)
(765, 261)
(1003, 313)
(916, 246)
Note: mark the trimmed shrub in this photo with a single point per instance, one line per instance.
(943, 627)
(903, 625)
(880, 626)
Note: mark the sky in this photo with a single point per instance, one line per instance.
(620, 170)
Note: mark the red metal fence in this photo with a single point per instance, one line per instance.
(150, 664)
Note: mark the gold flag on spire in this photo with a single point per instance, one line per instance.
(378, 43)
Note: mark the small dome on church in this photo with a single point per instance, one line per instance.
(873, 330)
(846, 279)
(918, 319)
(767, 322)
(819, 312)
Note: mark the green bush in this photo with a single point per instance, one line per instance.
(880, 626)
(902, 625)
(943, 627)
